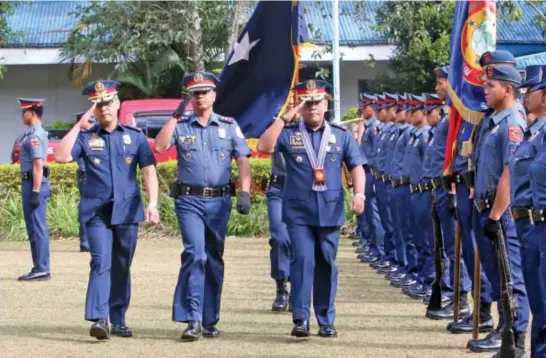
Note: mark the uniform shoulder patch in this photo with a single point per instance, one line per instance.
(226, 119)
(183, 119)
(291, 125)
(338, 126)
(515, 134)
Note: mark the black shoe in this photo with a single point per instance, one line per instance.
(445, 299)
(35, 276)
(289, 303)
(491, 342)
(369, 259)
(301, 328)
(281, 300)
(397, 275)
(465, 325)
(192, 332)
(358, 244)
(210, 331)
(418, 293)
(100, 330)
(380, 264)
(387, 269)
(121, 330)
(447, 312)
(327, 331)
(406, 281)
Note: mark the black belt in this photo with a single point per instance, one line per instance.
(425, 187)
(385, 178)
(485, 204)
(538, 216)
(457, 178)
(277, 179)
(520, 213)
(206, 192)
(436, 182)
(28, 175)
(401, 181)
(414, 188)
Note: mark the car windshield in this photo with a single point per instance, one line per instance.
(56, 134)
(151, 122)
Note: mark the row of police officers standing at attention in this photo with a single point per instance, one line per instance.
(496, 189)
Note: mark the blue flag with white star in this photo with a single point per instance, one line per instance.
(259, 72)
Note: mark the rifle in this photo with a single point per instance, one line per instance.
(509, 304)
(457, 273)
(435, 302)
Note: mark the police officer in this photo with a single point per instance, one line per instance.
(435, 154)
(500, 134)
(111, 205)
(521, 201)
(35, 187)
(313, 201)
(206, 143)
(387, 263)
(85, 124)
(279, 242)
(370, 218)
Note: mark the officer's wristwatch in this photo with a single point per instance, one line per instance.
(360, 195)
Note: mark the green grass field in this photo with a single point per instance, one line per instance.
(45, 319)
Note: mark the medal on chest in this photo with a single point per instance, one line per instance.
(318, 176)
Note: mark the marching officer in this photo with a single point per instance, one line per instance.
(111, 205)
(85, 124)
(521, 201)
(279, 242)
(35, 187)
(500, 134)
(313, 201)
(206, 143)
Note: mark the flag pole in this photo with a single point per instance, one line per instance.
(335, 60)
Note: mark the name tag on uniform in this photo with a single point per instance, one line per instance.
(96, 143)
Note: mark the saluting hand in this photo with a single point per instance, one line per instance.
(291, 114)
(83, 122)
(357, 205)
(152, 215)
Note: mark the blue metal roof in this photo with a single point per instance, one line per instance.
(530, 60)
(42, 24)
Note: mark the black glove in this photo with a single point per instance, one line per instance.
(492, 228)
(452, 204)
(35, 199)
(243, 202)
(182, 106)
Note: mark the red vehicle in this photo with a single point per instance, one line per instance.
(147, 114)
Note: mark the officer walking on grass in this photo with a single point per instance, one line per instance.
(35, 188)
(85, 124)
(206, 143)
(111, 205)
(313, 201)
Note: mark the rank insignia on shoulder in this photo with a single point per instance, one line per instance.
(226, 119)
(183, 119)
(338, 126)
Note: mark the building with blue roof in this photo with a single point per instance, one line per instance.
(42, 27)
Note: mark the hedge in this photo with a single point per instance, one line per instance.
(63, 206)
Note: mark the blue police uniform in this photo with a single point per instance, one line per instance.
(381, 186)
(526, 184)
(279, 242)
(370, 218)
(111, 208)
(33, 144)
(314, 216)
(498, 139)
(84, 243)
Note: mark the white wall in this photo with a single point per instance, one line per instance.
(51, 82)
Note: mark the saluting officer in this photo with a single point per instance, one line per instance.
(111, 205)
(85, 124)
(206, 143)
(521, 201)
(313, 201)
(500, 134)
(35, 187)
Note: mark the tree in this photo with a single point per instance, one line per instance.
(6, 8)
(152, 43)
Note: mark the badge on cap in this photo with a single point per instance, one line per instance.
(99, 88)
(198, 77)
(126, 139)
(311, 85)
(221, 132)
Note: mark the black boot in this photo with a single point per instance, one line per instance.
(491, 342)
(466, 324)
(448, 311)
(281, 300)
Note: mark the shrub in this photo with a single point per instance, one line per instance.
(351, 113)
